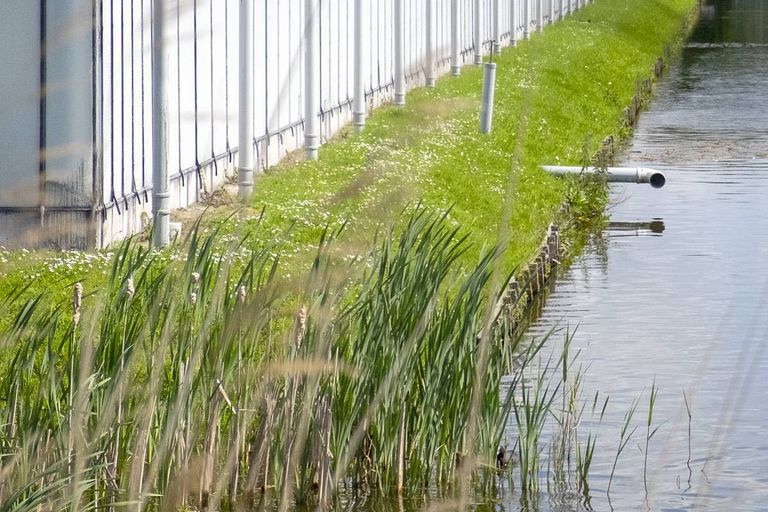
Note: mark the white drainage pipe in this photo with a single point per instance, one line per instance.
(615, 174)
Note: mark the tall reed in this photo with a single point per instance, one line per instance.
(172, 384)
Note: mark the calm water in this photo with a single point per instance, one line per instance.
(676, 289)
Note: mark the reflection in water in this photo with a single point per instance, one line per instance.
(652, 228)
(682, 300)
(741, 21)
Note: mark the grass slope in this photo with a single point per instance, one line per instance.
(557, 96)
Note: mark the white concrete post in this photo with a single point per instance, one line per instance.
(561, 6)
(455, 65)
(311, 79)
(161, 197)
(429, 72)
(245, 167)
(496, 26)
(358, 107)
(551, 11)
(477, 37)
(399, 64)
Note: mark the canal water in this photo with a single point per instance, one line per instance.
(675, 290)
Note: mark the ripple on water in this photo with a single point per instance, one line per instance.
(685, 305)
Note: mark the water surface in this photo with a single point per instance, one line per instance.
(676, 289)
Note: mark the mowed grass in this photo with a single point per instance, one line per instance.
(557, 96)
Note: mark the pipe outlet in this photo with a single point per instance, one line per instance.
(653, 177)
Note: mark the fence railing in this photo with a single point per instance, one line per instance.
(202, 74)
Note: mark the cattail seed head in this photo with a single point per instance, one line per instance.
(195, 277)
(241, 294)
(129, 287)
(301, 325)
(193, 298)
(77, 300)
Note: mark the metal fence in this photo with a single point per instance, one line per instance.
(202, 76)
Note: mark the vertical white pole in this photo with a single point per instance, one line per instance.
(161, 197)
(513, 14)
(455, 65)
(551, 11)
(526, 19)
(539, 15)
(429, 72)
(245, 101)
(561, 5)
(311, 79)
(477, 31)
(399, 65)
(358, 107)
(496, 26)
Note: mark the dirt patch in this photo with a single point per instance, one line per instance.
(223, 199)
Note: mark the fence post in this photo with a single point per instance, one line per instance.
(245, 102)
(513, 14)
(399, 66)
(539, 15)
(526, 19)
(311, 79)
(455, 65)
(429, 72)
(358, 108)
(496, 27)
(477, 32)
(161, 197)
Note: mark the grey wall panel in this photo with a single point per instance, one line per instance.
(68, 104)
(19, 102)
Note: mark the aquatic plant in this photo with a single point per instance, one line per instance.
(173, 384)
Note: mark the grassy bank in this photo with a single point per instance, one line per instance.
(558, 95)
(173, 375)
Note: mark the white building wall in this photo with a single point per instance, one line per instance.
(108, 126)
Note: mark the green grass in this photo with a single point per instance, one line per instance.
(382, 379)
(557, 96)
